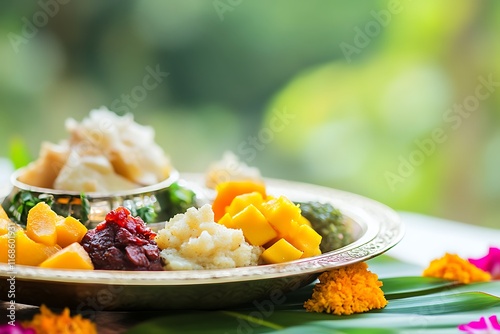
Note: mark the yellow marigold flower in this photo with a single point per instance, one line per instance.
(453, 267)
(51, 323)
(347, 290)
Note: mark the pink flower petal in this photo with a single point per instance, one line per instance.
(489, 325)
(481, 324)
(490, 262)
(17, 329)
(494, 322)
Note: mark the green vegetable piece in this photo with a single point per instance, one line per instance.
(181, 198)
(147, 214)
(177, 199)
(85, 209)
(329, 223)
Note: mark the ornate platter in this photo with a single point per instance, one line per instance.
(375, 228)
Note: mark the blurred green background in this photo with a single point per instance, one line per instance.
(395, 100)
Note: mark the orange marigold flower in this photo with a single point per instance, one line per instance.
(347, 290)
(453, 267)
(51, 323)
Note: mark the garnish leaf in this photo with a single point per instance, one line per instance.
(85, 208)
(442, 304)
(417, 304)
(386, 266)
(147, 214)
(176, 199)
(400, 287)
(201, 322)
(23, 201)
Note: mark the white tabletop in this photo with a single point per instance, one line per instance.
(427, 238)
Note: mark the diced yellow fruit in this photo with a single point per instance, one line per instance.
(3, 214)
(269, 198)
(312, 252)
(4, 248)
(286, 229)
(303, 221)
(272, 242)
(6, 225)
(227, 191)
(51, 250)
(255, 227)
(240, 202)
(307, 240)
(27, 251)
(279, 212)
(41, 224)
(281, 251)
(227, 221)
(69, 230)
(73, 256)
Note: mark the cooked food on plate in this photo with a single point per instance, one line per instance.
(105, 152)
(122, 242)
(240, 224)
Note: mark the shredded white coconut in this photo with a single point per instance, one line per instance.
(193, 241)
(129, 146)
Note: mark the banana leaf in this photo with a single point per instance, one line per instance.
(416, 304)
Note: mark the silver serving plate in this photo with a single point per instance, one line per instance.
(375, 228)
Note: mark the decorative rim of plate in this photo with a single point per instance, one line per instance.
(173, 176)
(382, 227)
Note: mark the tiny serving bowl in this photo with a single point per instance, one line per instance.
(92, 208)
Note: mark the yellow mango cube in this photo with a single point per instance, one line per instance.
(69, 230)
(73, 256)
(227, 221)
(28, 252)
(4, 248)
(41, 224)
(3, 214)
(6, 225)
(240, 202)
(303, 221)
(307, 240)
(281, 251)
(280, 212)
(227, 191)
(255, 226)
